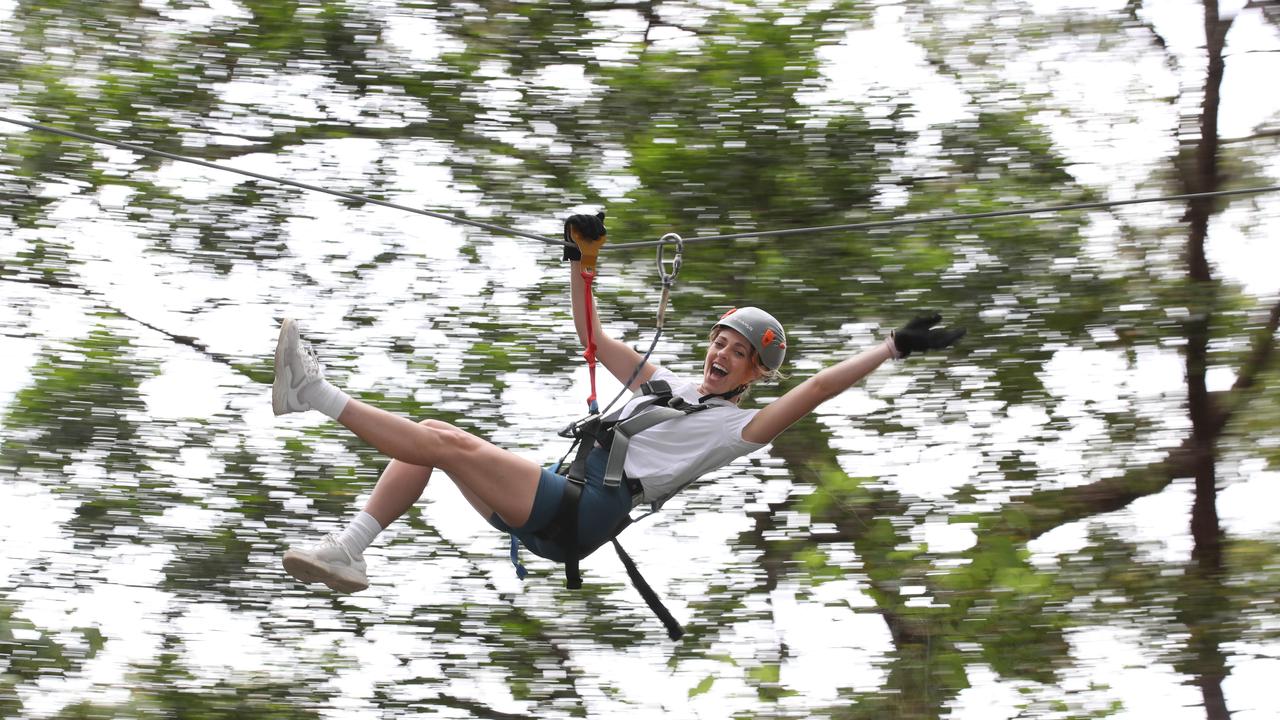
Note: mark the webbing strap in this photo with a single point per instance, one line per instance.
(521, 570)
(569, 534)
(674, 631)
(588, 279)
(622, 433)
(587, 434)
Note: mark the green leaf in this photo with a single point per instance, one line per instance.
(702, 686)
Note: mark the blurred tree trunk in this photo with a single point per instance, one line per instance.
(924, 670)
(1204, 598)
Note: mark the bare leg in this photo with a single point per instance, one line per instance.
(489, 476)
(398, 488)
(476, 503)
(419, 444)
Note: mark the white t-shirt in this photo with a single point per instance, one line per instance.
(670, 455)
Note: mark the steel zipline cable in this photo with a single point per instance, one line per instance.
(902, 222)
(282, 181)
(870, 225)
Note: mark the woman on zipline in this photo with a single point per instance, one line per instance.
(515, 495)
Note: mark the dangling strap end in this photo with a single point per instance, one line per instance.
(674, 630)
(521, 572)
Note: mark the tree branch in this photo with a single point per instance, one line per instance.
(1045, 511)
(316, 131)
(1264, 343)
(473, 708)
(1261, 135)
(1048, 510)
(1133, 8)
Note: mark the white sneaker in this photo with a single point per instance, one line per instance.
(296, 368)
(327, 562)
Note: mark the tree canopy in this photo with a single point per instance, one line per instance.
(910, 544)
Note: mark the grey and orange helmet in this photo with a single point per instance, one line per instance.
(761, 329)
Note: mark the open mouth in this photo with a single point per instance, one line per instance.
(717, 371)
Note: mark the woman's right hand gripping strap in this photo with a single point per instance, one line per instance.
(588, 234)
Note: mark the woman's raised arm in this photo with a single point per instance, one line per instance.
(808, 395)
(618, 358)
(916, 336)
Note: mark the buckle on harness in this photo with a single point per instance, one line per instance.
(659, 388)
(576, 429)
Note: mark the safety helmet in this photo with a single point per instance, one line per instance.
(761, 329)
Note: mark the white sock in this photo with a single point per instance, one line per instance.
(322, 395)
(360, 533)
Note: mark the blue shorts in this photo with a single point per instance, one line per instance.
(600, 509)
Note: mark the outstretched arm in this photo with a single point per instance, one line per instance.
(618, 358)
(915, 336)
(808, 395)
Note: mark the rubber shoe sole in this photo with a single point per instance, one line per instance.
(304, 568)
(280, 386)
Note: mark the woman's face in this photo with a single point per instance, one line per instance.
(729, 364)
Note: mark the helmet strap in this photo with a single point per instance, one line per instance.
(730, 395)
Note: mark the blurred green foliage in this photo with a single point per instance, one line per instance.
(696, 118)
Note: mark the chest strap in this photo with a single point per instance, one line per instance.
(625, 430)
(659, 408)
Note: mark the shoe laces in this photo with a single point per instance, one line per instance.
(311, 362)
(331, 539)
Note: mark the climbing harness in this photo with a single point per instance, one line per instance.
(599, 430)
(658, 405)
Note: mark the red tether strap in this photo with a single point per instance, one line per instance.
(588, 278)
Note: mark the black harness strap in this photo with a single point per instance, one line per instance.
(589, 433)
(568, 520)
(674, 631)
(564, 528)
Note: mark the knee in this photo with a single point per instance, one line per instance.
(451, 443)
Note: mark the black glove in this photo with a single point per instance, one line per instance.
(916, 336)
(589, 227)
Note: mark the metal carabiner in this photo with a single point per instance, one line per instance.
(669, 278)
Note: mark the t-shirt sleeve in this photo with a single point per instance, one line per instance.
(665, 375)
(731, 429)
